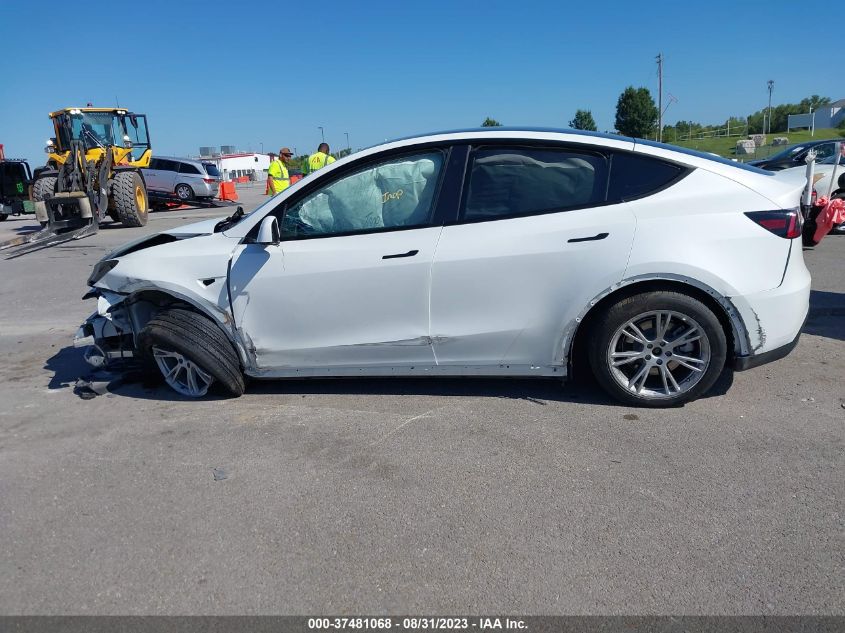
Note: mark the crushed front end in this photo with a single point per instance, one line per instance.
(107, 333)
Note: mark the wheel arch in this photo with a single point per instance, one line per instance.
(142, 305)
(730, 319)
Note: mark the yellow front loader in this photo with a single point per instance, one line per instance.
(93, 172)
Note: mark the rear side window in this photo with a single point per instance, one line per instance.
(211, 170)
(634, 176)
(517, 181)
(187, 168)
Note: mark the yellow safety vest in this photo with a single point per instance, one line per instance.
(318, 160)
(279, 178)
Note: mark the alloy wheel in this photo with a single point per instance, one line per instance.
(181, 373)
(659, 354)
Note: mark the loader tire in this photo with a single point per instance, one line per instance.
(194, 340)
(130, 198)
(44, 188)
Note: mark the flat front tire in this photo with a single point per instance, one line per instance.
(657, 349)
(191, 353)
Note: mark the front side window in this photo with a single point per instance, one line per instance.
(511, 182)
(389, 195)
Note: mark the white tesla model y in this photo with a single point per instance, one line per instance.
(495, 252)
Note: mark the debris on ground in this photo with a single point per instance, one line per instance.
(219, 474)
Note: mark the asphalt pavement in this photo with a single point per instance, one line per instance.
(395, 496)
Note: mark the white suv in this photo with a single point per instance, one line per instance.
(487, 252)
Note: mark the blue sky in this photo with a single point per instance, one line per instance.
(232, 73)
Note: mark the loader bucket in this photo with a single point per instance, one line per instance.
(69, 217)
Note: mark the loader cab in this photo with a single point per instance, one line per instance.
(100, 130)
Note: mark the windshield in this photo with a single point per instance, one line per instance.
(103, 129)
(790, 151)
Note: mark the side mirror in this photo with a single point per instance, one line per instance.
(268, 232)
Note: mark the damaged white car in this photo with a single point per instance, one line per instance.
(490, 252)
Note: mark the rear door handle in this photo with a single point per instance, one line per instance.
(594, 238)
(397, 255)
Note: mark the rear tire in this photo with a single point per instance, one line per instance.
(184, 192)
(184, 341)
(44, 188)
(657, 349)
(130, 198)
(3, 217)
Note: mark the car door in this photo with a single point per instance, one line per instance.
(168, 170)
(534, 243)
(349, 284)
(151, 174)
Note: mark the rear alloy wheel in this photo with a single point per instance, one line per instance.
(658, 349)
(130, 198)
(192, 353)
(184, 192)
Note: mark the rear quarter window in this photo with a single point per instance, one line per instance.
(211, 170)
(635, 176)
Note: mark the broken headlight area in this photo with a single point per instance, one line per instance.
(106, 334)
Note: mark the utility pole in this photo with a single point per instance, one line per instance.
(660, 97)
(348, 149)
(322, 135)
(771, 85)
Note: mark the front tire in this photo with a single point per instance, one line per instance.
(191, 353)
(657, 349)
(130, 198)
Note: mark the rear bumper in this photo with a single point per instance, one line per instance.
(774, 318)
(741, 363)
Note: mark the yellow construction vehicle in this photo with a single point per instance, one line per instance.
(92, 172)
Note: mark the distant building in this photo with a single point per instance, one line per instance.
(243, 167)
(829, 115)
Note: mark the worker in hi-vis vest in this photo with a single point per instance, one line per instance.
(320, 158)
(277, 175)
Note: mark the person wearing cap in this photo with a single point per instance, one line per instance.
(277, 175)
(320, 158)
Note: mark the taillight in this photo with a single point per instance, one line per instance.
(786, 223)
(814, 197)
(210, 181)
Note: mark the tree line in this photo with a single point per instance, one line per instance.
(637, 115)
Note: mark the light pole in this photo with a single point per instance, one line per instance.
(262, 148)
(771, 85)
(322, 135)
(348, 149)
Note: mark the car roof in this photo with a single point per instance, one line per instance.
(195, 161)
(683, 155)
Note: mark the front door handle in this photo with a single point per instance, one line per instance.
(397, 255)
(594, 238)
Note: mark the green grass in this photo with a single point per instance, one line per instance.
(726, 146)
